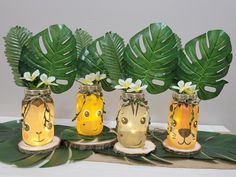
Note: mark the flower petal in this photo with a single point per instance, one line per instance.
(118, 87)
(175, 87)
(130, 90)
(43, 77)
(138, 82)
(143, 87)
(51, 79)
(121, 81)
(36, 73)
(129, 80)
(181, 83)
(187, 84)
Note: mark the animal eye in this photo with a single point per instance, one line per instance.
(86, 113)
(99, 113)
(124, 120)
(26, 127)
(174, 123)
(195, 124)
(143, 120)
(49, 125)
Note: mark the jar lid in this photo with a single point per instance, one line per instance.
(185, 98)
(33, 92)
(90, 88)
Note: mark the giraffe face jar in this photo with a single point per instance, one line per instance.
(133, 120)
(89, 116)
(38, 117)
(183, 121)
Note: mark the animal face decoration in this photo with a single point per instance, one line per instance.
(182, 125)
(38, 124)
(132, 125)
(89, 114)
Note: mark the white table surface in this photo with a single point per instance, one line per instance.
(97, 169)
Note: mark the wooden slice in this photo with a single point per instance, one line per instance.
(39, 149)
(94, 144)
(148, 147)
(196, 148)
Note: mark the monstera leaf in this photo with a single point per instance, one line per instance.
(16, 38)
(83, 39)
(205, 62)
(53, 52)
(151, 56)
(105, 55)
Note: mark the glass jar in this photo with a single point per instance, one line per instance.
(38, 117)
(132, 120)
(89, 110)
(183, 121)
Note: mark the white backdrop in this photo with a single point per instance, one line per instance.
(187, 18)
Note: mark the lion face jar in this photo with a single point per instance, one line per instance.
(132, 120)
(183, 121)
(89, 108)
(38, 117)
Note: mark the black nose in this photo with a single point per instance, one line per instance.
(38, 133)
(184, 132)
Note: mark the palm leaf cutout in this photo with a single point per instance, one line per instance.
(83, 39)
(151, 56)
(105, 55)
(53, 52)
(16, 38)
(205, 61)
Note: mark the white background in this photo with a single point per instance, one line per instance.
(187, 18)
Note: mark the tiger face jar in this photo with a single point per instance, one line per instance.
(38, 117)
(132, 120)
(183, 121)
(89, 108)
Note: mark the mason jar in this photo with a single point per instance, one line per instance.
(89, 110)
(183, 121)
(37, 117)
(132, 120)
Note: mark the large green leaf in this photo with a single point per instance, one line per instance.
(205, 62)
(105, 55)
(83, 39)
(53, 52)
(151, 56)
(16, 38)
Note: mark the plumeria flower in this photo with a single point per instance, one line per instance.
(137, 86)
(88, 80)
(47, 80)
(27, 76)
(187, 87)
(124, 84)
(99, 76)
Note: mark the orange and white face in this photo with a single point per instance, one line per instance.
(132, 125)
(90, 112)
(182, 126)
(35, 132)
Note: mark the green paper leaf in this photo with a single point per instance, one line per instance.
(80, 154)
(83, 39)
(31, 160)
(16, 38)
(59, 157)
(151, 56)
(53, 52)
(205, 61)
(105, 54)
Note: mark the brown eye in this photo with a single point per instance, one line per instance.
(26, 127)
(195, 124)
(49, 126)
(124, 120)
(143, 120)
(99, 113)
(86, 113)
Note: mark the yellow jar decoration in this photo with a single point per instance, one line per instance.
(133, 116)
(183, 118)
(90, 105)
(38, 117)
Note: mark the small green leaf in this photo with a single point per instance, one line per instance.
(31, 160)
(59, 157)
(80, 154)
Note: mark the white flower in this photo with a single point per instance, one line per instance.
(99, 76)
(124, 84)
(88, 80)
(29, 77)
(47, 80)
(136, 87)
(185, 87)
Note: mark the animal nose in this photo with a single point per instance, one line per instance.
(184, 132)
(38, 133)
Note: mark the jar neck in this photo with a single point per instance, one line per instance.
(35, 92)
(133, 96)
(185, 98)
(90, 88)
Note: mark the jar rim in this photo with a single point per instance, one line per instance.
(132, 95)
(182, 97)
(37, 91)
